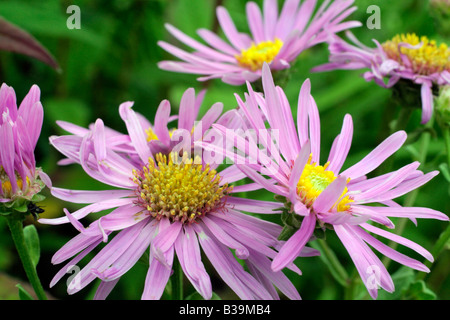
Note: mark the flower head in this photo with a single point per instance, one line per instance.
(420, 61)
(19, 132)
(324, 195)
(165, 204)
(276, 39)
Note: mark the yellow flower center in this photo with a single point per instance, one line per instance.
(314, 180)
(6, 183)
(179, 191)
(428, 59)
(151, 135)
(254, 57)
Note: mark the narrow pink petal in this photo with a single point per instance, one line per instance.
(208, 52)
(270, 11)
(166, 236)
(186, 114)
(295, 244)
(411, 212)
(427, 102)
(188, 253)
(104, 289)
(83, 196)
(343, 143)
(7, 152)
(216, 42)
(304, 102)
(400, 240)
(157, 277)
(286, 20)
(392, 181)
(405, 187)
(297, 170)
(255, 206)
(224, 238)
(389, 252)
(161, 121)
(135, 130)
(330, 195)
(229, 28)
(255, 21)
(314, 130)
(370, 269)
(376, 156)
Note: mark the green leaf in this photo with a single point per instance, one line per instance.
(443, 167)
(291, 219)
(419, 291)
(23, 294)
(197, 296)
(32, 241)
(37, 198)
(402, 279)
(319, 233)
(286, 233)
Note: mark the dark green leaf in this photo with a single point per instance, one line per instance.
(286, 233)
(23, 294)
(419, 291)
(32, 241)
(197, 296)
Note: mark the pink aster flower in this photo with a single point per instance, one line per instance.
(19, 132)
(168, 206)
(420, 61)
(325, 195)
(274, 38)
(161, 135)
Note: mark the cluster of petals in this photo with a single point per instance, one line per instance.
(20, 129)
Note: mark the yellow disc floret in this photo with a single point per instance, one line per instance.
(429, 58)
(179, 190)
(6, 186)
(314, 180)
(254, 57)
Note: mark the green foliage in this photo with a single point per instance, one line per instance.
(32, 243)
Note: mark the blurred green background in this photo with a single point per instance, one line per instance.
(112, 59)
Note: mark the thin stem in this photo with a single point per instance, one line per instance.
(437, 249)
(336, 268)
(400, 124)
(16, 227)
(445, 236)
(446, 133)
(411, 197)
(177, 283)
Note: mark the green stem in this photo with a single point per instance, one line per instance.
(411, 197)
(445, 236)
(400, 124)
(437, 249)
(336, 268)
(446, 133)
(16, 227)
(177, 283)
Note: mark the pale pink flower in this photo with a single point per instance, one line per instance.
(325, 195)
(277, 39)
(165, 207)
(420, 61)
(19, 132)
